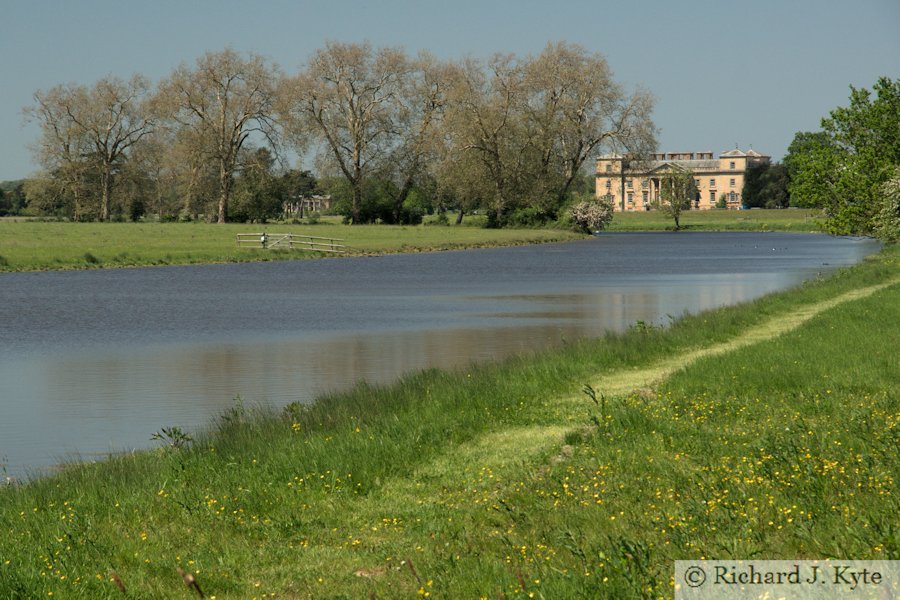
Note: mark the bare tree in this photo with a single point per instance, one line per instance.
(222, 101)
(62, 145)
(482, 121)
(421, 100)
(532, 124)
(573, 107)
(347, 99)
(158, 165)
(91, 128)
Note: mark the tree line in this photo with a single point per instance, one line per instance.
(850, 168)
(391, 136)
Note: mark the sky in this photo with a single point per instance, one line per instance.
(724, 73)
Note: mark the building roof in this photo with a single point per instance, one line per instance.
(693, 165)
(736, 153)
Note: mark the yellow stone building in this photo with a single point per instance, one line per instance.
(634, 185)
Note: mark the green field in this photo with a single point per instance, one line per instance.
(767, 430)
(27, 245)
(804, 220)
(30, 245)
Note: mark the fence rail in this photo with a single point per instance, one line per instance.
(268, 241)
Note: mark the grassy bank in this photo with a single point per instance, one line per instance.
(32, 246)
(801, 220)
(767, 430)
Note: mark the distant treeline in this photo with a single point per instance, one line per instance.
(391, 136)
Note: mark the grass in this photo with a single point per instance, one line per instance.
(33, 245)
(767, 430)
(28, 245)
(801, 220)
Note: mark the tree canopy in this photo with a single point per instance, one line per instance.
(392, 136)
(677, 190)
(766, 186)
(843, 167)
(522, 128)
(222, 101)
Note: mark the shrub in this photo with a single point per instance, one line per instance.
(527, 217)
(886, 223)
(592, 216)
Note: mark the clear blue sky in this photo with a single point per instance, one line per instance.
(723, 72)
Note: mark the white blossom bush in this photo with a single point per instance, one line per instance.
(592, 216)
(887, 222)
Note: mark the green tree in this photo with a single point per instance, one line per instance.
(842, 168)
(50, 195)
(676, 192)
(766, 186)
(810, 162)
(258, 193)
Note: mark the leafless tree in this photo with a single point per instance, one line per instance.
(346, 98)
(421, 100)
(573, 107)
(223, 100)
(531, 124)
(91, 129)
(482, 122)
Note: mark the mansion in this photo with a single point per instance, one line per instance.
(634, 185)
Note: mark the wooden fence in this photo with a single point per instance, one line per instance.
(268, 241)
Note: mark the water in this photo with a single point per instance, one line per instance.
(95, 362)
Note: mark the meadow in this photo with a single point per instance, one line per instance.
(33, 245)
(29, 245)
(793, 219)
(765, 430)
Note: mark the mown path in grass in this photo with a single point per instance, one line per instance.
(621, 383)
(489, 463)
(499, 449)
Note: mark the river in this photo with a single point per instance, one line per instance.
(93, 362)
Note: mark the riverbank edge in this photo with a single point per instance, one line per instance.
(141, 251)
(148, 483)
(145, 250)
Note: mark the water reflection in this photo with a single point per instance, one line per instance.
(132, 352)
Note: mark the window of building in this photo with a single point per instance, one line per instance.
(697, 182)
(731, 182)
(646, 197)
(731, 165)
(608, 184)
(712, 183)
(609, 168)
(630, 197)
(732, 196)
(628, 183)
(712, 196)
